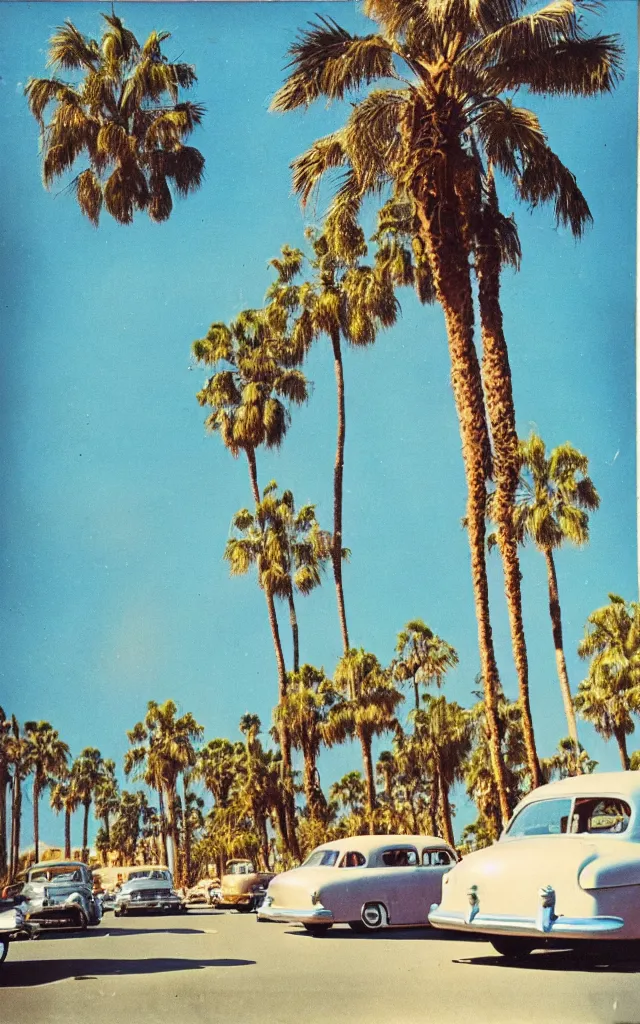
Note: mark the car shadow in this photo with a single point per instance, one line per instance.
(31, 973)
(115, 930)
(421, 934)
(559, 960)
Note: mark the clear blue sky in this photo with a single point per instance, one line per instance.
(116, 505)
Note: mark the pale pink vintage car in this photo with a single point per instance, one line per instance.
(565, 872)
(367, 882)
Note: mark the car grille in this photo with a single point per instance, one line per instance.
(151, 894)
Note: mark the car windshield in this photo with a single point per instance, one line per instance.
(542, 818)
(61, 873)
(240, 869)
(322, 859)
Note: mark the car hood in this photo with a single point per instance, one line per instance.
(510, 874)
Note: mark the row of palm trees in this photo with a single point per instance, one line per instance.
(407, 789)
(431, 125)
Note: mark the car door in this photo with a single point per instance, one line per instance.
(434, 865)
(399, 875)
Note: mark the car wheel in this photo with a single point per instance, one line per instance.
(374, 916)
(317, 929)
(512, 947)
(357, 926)
(118, 912)
(4, 949)
(244, 908)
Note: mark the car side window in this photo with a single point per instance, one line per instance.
(436, 858)
(405, 857)
(352, 859)
(600, 816)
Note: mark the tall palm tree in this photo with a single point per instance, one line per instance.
(143, 762)
(344, 301)
(611, 692)
(443, 731)
(553, 500)
(106, 796)
(423, 657)
(304, 710)
(366, 709)
(49, 756)
(256, 785)
(65, 797)
(349, 792)
(87, 773)
(561, 764)
(478, 775)
(125, 115)
(259, 544)
(444, 68)
(5, 782)
(20, 758)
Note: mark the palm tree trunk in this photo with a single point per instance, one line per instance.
(434, 795)
(85, 831)
(449, 261)
(173, 831)
(163, 825)
(621, 740)
(67, 833)
(187, 835)
(36, 821)
(561, 664)
(338, 472)
(367, 761)
(105, 822)
(293, 619)
(4, 781)
(416, 691)
(17, 816)
(496, 376)
(291, 839)
(445, 809)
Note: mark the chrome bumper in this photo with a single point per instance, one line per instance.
(319, 915)
(501, 924)
(171, 903)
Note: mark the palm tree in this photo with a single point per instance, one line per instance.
(65, 797)
(611, 692)
(424, 657)
(349, 792)
(366, 709)
(217, 766)
(561, 764)
(143, 762)
(425, 134)
(256, 783)
(125, 115)
(5, 782)
(87, 774)
(20, 753)
(260, 545)
(554, 497)
(106, 796)
(304, 711)
(478, 775)
(343, 300)
(443, 731)
(49, 757)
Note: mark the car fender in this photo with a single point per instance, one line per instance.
(611, 870)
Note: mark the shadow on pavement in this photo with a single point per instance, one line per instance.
(422, 934)
(115, 930)
(559, 960)
(27, 974)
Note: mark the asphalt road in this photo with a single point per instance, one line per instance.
(222, 966)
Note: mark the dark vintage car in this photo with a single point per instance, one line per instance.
(148, 889)
(59, 894)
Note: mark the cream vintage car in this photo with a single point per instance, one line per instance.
(241, 886)
(367, 882)
(566, 870)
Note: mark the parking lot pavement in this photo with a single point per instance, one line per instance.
(223, 966)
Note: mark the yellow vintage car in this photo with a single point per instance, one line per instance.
(241, 886)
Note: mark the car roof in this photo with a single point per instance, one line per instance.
(58, 864)
(625, 784)
(371, 844)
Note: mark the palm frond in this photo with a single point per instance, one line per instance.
(310, 166)
(574, 67)
(69, 49)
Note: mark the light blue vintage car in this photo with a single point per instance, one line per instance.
(59, 894)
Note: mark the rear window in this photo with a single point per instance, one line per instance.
(62, 872)
(436, 858)
(406, 857)
(599, 816)
(322, 859)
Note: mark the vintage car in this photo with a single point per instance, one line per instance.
(12, 926)
(241, 886)
(148, 889)
(59, 894)
(367, 882)
(565, 871)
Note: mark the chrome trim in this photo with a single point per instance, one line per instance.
(474, 904)
(496, 924)
(320, 914)
(547, 912)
